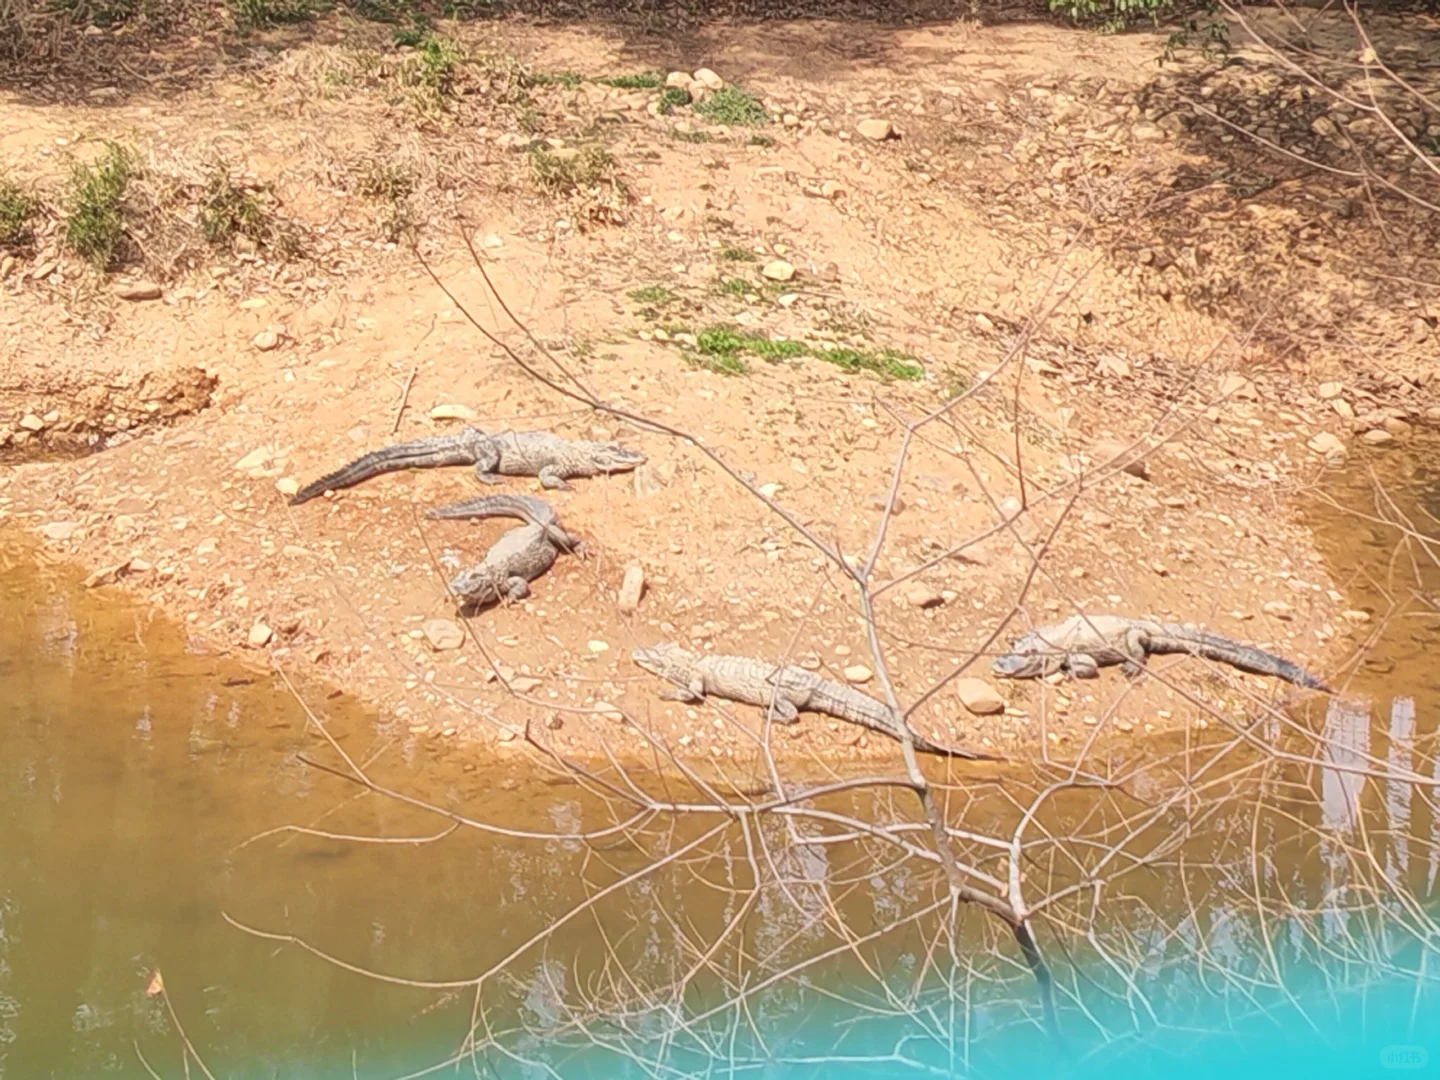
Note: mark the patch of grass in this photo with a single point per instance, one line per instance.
(645, 80)
(391, 185)
(17, 210)
(567, 79)
(730, 253)
(433, 67)
(95, 206)
(653, 294)
(761, 140)
(734, 286)
(733, 106)
(565, 170)
(228, 210)
(690, 136)
(415, 34)
(263, 14)
(672, 98)
(723, 348)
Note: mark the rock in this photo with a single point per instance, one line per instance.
(266, 340)
(107, 576)
(523, 684)
(1377, 437)
(1329, 390)
(1233, 385)
(452, 412)
(632, 588)
(31, 422)
(1324, 127)
(442, 634)
(1112, 452)
(1147, 133)
(858, 673)
(1343, 408)
(596, 646)
(260, 635)
(920, 595)
(778, 270)
(833, 189)
(287, 485)
(256, 459)
(1355, 616)
(138, 290)
(979, 697)
(59, 530)
(1278, 609)
(679, 79)
(872, 128)
(1419, 330)
(880, 502)
(1327, 445)
(708, 79)
(1397, 427)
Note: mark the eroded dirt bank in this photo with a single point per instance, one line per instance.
(1025, 235)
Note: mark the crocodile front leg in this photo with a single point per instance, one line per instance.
(1135, 652)
(1082, 666)
(782, 710)
(551, 480)
(516, 588)
(693, 694)
(486, 462)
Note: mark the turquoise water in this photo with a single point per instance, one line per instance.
(1260, 912)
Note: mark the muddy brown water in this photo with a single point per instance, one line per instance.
(141, 781)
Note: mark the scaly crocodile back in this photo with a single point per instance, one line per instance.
(463, 447)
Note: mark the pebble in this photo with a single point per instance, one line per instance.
(1397, 427)
(597, 646)
(920, 595)
(1109, 451)
(632, 588)
(139, 290)
(1278, 609)
(265, 340)
(1329, 390)
(679, 79)
(858, 673)
(59, 530)
(260, 635)
(1343, 408)
(833, 189)
(442, 634)
(256, 459)
(452, 412)
(779, 270)
(107, 576)
(287, 485)
(31, 422)
(876, 129)
(1377, 437)
(708, 79)
(979, 697)
(1147, 133)
(523, 684)
(1355, 616)
(1327, 444)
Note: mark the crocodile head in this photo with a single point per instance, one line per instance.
(660, 659)
(611, 457)
(1030, 657)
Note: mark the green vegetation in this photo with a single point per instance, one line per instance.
(560, 171)
(761, 140)
(734, 286)
(653, 294)
(673, 97)
(723, 348)
(730, 105)
(730, 253)
(567, 79)
(645, 80)
(391, 185)
(17, 209)
(689, 136)
(433, 67)
(262, 14)
(228, 210)
(95, 215)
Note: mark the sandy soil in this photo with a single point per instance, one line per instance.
(1029, 236)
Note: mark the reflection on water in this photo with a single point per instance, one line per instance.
(1205, 906)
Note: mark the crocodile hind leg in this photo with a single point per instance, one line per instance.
(1134, 648)
(486, 462)
(551, 480)
(782, 710)
(516, 588)
(694, 694)
(1082, 666)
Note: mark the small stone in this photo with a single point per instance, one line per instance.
(1343, 408)
(452, 412)
(59, 530)
(1329, 390)
(1278, 609)
(858, 673)
(709, 80)
(979, 697)
(207, 546)
(1111, 452)
(679, 79)
(632, 588)
(287, 485)
(256, 459)
(139, 290)
(875, 129)
(108, 576)
(265, 340)
(31, 422)
(984, 322)
(597, 646)
(1419, 331)
(833, 189)
(920, 595)
(523, 684)
(1377, 437)
(1327, 445)
(1355, 616)
(1233, 385)
(442, 634)
(1147, 133)
(1397, 427)
(778, 270)
(260, 635)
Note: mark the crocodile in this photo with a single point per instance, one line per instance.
(1081, 645)
(785, 691)
(505, 453)
(519, 557)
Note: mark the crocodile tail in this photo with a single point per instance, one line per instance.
(1243, 657)
(522, 507)
(436, 451)
(926, 746)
